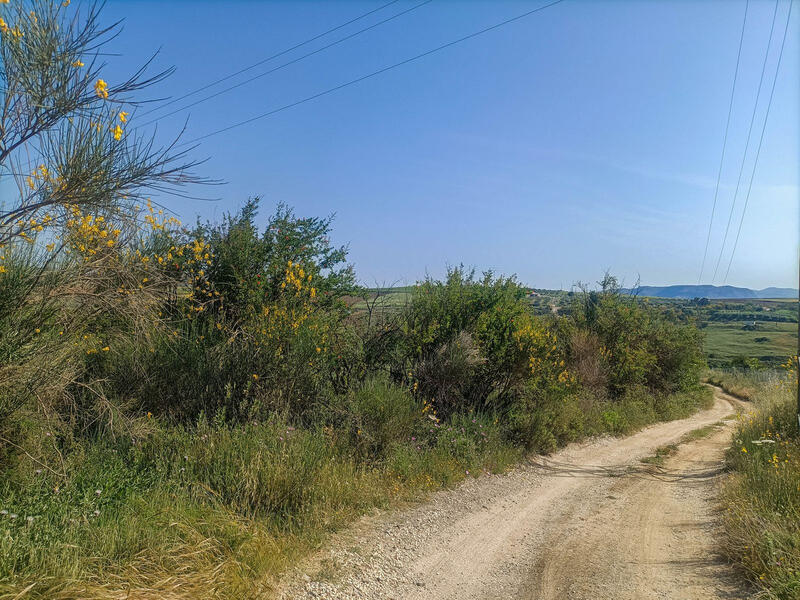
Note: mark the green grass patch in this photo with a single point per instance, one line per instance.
(770, 342)
(660, 455)
(663, 452)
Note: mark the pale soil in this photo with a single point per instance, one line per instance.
(588, 522)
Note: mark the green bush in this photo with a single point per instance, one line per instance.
(640, 344)
(469, 344)
(249, 269)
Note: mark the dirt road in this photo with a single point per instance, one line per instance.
(591, 521)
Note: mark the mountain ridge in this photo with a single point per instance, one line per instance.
(712, 292)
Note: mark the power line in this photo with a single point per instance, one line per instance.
(760, 141)
(724, 142)
(286, 64)
(373, 74)
(747, 142)
(269, 58)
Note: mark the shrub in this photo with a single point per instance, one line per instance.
(639, 344)
(249, 269)
(373, 418)
(472, 344)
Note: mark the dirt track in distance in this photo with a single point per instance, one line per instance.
(590, 521)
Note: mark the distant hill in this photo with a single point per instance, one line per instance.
(712, 292)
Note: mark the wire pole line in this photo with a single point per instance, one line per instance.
(760, 141)
(372, 74)
(747, 143)
(269, 58)
(286, 64)
(724, 143)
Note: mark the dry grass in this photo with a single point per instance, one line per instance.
(761, 498)
(742, 384)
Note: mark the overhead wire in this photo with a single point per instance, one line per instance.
(747, 142)
(269, 58)
(724, 142)
(286, 64)
(372, 74)
(760, 141)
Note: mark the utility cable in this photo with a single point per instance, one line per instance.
(269, 58)
(761, 139)
(372, 74)
(747, 143)
(286, 64)
(724, 143)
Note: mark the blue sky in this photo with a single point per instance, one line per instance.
(582, 138)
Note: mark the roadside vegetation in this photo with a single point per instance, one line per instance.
(747, 334)
(187, 411)
(743, 384)
(761, 498)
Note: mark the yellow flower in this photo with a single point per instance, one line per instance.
(37, 330)
(255, 377)
(3, 25)
(744, 449)
(117, 132)
(77, 64)
(106, 349)
(123, 117)
(101, 89)
(149, 415)
(65, 3)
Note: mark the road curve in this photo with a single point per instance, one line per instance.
(590, 521)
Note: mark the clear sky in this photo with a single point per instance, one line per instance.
(584, 137)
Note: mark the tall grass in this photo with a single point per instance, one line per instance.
(761, 497)
(215, 510)
(744, 384)
(221, 511)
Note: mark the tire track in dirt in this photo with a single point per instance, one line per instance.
(590, 521)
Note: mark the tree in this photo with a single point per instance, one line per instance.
(64, 131)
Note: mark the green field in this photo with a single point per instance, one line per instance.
(769, 342)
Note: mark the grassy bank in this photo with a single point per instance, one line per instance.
(219, 511)
(744, 384)
(761, 497)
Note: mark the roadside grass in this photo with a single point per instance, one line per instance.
(761, 497)
(221, 511)
(743, 384)
(217, 511)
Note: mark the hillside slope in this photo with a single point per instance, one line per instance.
(712, 292)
